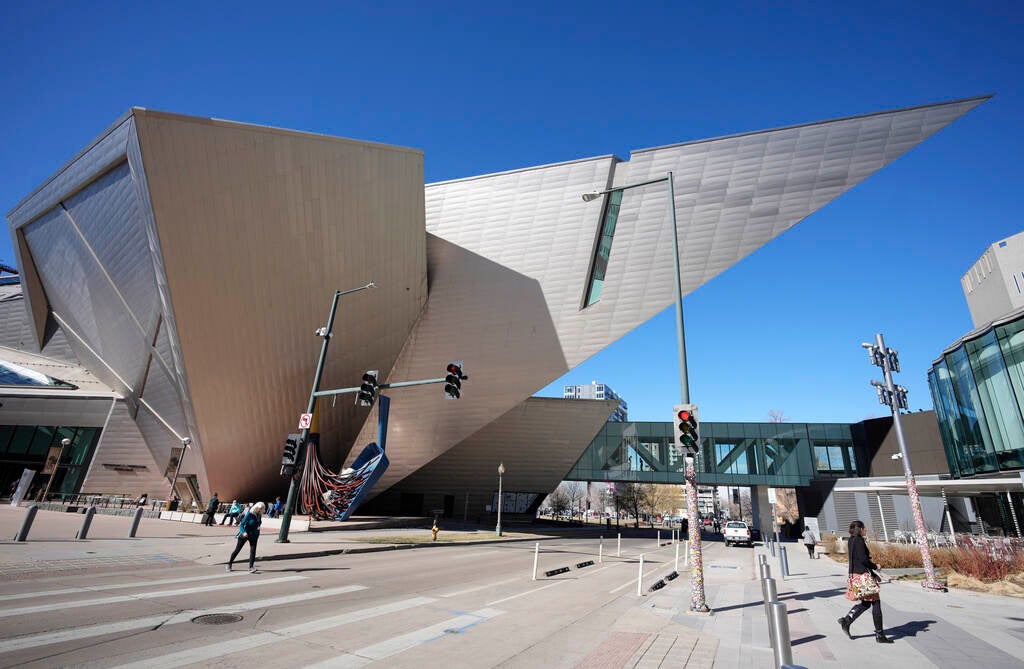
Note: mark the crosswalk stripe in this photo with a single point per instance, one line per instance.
(90, 631)
(6, 613)
(481, 587)
(528, 592)
(211, 651)
(119, 586)
(403, 642)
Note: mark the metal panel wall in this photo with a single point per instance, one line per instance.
(256, 229)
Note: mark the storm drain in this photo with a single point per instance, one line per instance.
(217, 619)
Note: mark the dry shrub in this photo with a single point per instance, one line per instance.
(895, 556)
(830, 542)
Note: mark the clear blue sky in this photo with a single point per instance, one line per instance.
(484, 88)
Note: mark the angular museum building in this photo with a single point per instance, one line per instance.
(171, 276)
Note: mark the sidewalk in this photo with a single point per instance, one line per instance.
(955, 629)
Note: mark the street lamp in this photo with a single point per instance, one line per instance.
(185, 444)
(64, 443)
(501, 472)
(698, 603)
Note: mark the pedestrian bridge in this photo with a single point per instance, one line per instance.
(775, 455)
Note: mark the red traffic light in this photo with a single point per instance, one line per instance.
(684, 415)
(453, 368)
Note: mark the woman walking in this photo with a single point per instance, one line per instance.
(249, 531)
(862, 584)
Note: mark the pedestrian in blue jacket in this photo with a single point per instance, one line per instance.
(249, 531)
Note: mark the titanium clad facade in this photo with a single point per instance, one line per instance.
(186, 262)
(530, 228)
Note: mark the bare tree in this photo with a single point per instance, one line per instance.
(558, 501)
(632, 497)
(777, 416)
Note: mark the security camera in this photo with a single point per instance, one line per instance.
(186, 441)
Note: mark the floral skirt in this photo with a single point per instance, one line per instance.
(862, 587)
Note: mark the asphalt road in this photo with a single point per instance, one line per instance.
(445, 606)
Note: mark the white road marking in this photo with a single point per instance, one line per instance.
(242, 643)
(470, 555)
(528, 592)
(74, 634)
(6, 613)
(481, 587)
(118, 586)
(401, 643)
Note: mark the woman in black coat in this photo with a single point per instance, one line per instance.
(860, 563)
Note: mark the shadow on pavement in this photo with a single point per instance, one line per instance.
(302, 569)
(806, 639)
(909, 629)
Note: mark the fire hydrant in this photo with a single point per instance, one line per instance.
(434, 530)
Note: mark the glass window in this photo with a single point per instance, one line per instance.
(21, 440)
(5, 436)
(971, 416)
(42, 440)
(947, 411)
(604, 248)
(16, 375)
(997, 397)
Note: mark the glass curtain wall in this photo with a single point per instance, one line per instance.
(26, 447)
(976, 389)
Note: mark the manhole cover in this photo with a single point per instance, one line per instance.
(217, 619)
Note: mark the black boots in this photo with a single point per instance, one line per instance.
(844, 622)
(881, 638)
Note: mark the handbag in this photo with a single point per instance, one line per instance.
(863, 587)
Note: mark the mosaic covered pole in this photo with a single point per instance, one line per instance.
(698, 604)
(894, 400)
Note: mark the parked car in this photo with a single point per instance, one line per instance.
(737, 532)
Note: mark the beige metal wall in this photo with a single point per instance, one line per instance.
(257, 227)
(538, 441)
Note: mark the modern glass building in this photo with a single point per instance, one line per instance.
(735, 454)
(977, 387)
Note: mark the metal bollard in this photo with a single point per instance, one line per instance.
(766, 570)
(771, 594)
(600, 551)
(761, 559)
(135, 522)
(771, 546)
(26, 524)
(686, 549)
(784, 561)
(640, 578)
(658, 540)
(780, 631)
(86, 522)
(677, 558)
(618, 549)
(536, 554)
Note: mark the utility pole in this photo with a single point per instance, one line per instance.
(895, 397)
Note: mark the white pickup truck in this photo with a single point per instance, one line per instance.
(737, 532)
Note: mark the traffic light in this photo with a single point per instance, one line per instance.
(290, 454)
(368, 390)
(453, 380)
(687, 429)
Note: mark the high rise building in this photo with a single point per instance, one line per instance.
(599, 391)
(994, 285)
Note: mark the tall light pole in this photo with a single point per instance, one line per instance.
(293, 486)
(698, 602)
(895, 397)
(501, 472)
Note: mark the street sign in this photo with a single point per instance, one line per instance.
(771, 495)
(305, 420)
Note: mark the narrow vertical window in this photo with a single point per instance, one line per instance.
(603, 249)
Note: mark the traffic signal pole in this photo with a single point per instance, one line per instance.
(293, 487)
(698, 601)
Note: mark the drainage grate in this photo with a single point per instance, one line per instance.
(217, 619)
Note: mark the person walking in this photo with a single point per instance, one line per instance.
(809, 541)
(249, 531)
(862, 584)
(211, 509)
